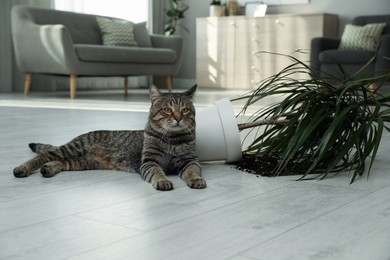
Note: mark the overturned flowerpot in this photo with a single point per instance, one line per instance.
(217, 134)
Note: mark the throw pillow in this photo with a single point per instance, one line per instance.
(365, 37)
(116, 32)
(142, 35)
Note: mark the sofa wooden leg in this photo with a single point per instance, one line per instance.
(126, 85)
(169, 82)
(73, 85)
(27, 83)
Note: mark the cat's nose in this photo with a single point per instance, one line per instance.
(178, 117)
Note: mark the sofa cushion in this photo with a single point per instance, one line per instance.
(346, 56)
(365, 37)
(116, 32)
(103, 53)
(142, 35)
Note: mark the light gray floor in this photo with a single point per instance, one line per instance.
(115, 215)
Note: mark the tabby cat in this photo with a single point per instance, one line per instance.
(167, 145)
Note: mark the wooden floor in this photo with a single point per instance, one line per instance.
(115, 215)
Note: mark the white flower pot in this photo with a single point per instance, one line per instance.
(217, 135)
(217, 10)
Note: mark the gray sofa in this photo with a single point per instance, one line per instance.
(48, 41)
(329, 62)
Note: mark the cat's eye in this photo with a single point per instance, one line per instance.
(185, 110)
(167, 110)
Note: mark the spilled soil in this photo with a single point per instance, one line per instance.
(257, 165)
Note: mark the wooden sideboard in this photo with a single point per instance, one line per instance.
(227, 48)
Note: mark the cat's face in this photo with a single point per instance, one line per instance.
(172, 112)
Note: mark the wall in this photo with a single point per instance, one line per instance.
(346, 9)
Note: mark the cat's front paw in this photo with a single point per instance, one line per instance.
(21, 172)
(197, 183)
(163, 185)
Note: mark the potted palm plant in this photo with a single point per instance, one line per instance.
(317, 127)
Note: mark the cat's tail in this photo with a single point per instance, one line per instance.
(41, 148)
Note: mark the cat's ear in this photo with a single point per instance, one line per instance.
(154, 93)
(190, 92)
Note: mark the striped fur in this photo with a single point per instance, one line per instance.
(166, 146)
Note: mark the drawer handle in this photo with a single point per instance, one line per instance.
(279, 23)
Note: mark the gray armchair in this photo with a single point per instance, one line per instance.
(326, 58)
(55, 42)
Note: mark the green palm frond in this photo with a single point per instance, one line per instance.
(318, 127)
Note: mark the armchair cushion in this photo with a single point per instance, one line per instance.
(120, 54)
(365, 37)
